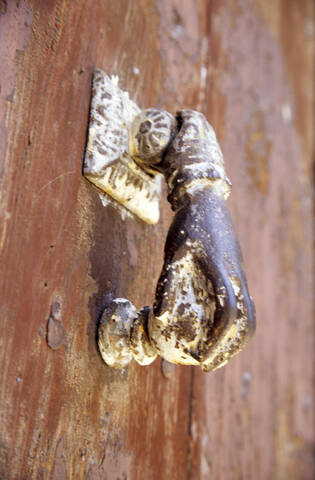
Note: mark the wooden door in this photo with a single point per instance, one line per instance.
(249, 66)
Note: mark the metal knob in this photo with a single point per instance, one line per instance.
(202, 314)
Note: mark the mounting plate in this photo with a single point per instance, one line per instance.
(107, 163)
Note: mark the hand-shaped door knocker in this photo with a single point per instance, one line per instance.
(202, 314)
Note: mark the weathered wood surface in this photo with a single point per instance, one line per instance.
(249, 66)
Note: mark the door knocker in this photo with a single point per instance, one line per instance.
(203, 313)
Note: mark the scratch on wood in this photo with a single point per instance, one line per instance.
(54, 180)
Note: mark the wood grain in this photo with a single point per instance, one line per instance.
(64, 415)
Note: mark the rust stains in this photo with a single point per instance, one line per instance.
(258, 149)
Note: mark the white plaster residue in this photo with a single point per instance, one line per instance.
(114, 79)
(177, 31)
(107, 200)
(286, 112)
(203, 76)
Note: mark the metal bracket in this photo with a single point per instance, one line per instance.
(108, 164)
